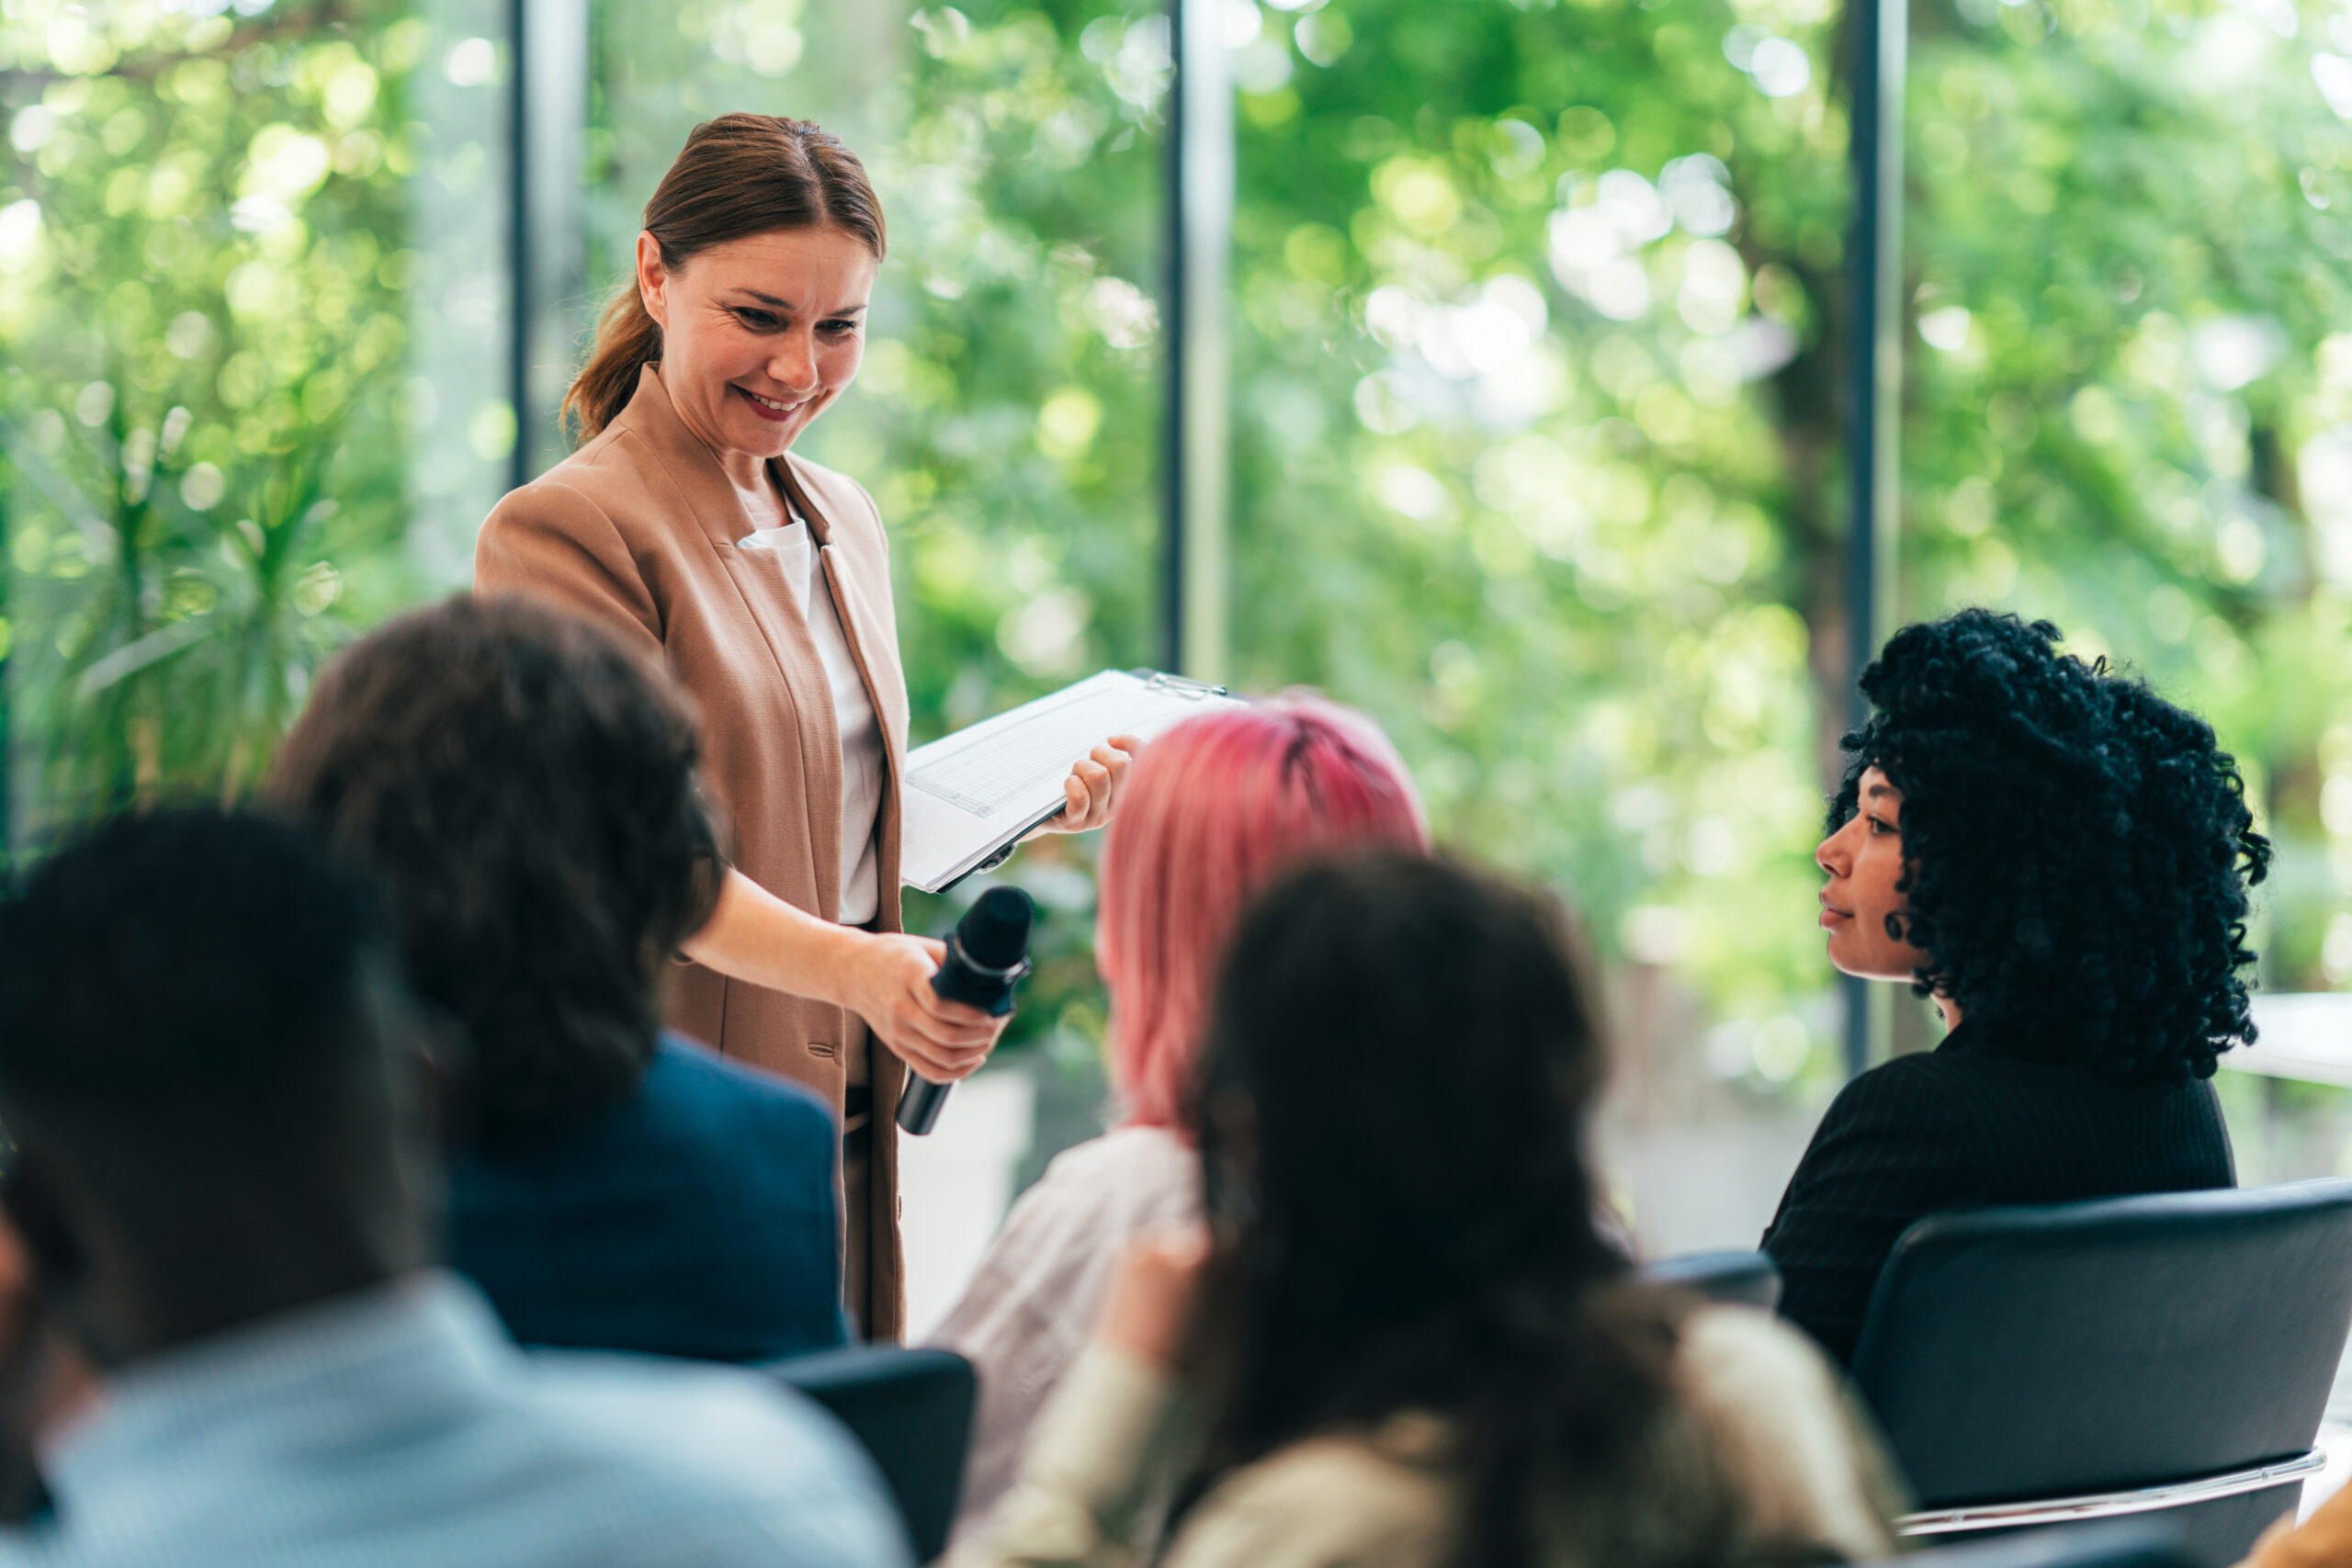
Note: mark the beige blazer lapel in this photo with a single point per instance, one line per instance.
(772, 607)
(759, 576)
(866, 628)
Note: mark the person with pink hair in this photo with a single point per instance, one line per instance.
(1213, 812)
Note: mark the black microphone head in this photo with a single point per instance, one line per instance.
(995, 931)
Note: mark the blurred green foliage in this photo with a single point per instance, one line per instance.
(202, 302)
(2132, 397)
(1512, 474)
(1537, 308)
(1539, 416)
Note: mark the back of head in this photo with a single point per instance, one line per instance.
(199, 1020)
(2078, 850)
(1417, 1049)
(738, 175)
(1213, 811)
(525, 791)
(1400, 1065)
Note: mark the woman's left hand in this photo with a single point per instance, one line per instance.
(1092, 788)
(1151, 1309)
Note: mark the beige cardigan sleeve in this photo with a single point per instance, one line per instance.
(1325, 1503)
(1112, 1438)
(1117, 1436)
(1116, 1439)
(1795, 1442)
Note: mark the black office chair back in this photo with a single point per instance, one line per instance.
(2082, 1348)
(1738, 1278)
(912, 1411)
(2135, 1543)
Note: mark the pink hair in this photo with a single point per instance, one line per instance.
(1212, 812)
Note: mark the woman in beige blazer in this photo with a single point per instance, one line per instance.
(685, 522)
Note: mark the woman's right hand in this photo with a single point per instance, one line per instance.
(882, 976)
(887, 982)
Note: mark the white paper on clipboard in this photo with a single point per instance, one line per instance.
(974, 794)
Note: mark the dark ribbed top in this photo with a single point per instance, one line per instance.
(1973, 1123)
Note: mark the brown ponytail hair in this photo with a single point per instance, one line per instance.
(738, 174)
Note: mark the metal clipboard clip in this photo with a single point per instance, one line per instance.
(1178, 685)
(1005, 854)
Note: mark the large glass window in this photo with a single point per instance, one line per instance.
(205, 291)
(1537, 415)
(1537, 318)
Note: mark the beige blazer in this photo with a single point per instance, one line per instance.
(637, 530)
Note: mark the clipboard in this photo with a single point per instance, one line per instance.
(971, 796)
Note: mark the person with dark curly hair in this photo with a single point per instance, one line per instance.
(525, 791)
(2059, 858)
(221, 1222)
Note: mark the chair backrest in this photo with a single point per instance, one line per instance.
(912, 1410)
(2085, 1347)
(2124, 1543)
(1738, 1278)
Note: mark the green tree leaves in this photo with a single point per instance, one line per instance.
(201, 300)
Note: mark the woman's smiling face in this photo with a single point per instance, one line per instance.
(759, 335)
(1863, 860)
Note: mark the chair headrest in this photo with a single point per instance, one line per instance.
(2088, 1347)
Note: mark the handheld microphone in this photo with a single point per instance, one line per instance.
(987, 953)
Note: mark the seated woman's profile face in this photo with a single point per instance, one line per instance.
(2067, 858)
(1863, 860)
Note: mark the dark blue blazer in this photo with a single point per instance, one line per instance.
(696, 1220)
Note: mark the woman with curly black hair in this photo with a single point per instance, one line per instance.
(2059, 859)
(526, 791)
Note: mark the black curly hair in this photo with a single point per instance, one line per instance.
(526, 792)
(2076, 850)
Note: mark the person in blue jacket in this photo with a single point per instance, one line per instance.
(526, 792)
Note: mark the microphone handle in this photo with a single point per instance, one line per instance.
(919, 1103)
(959, 980)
